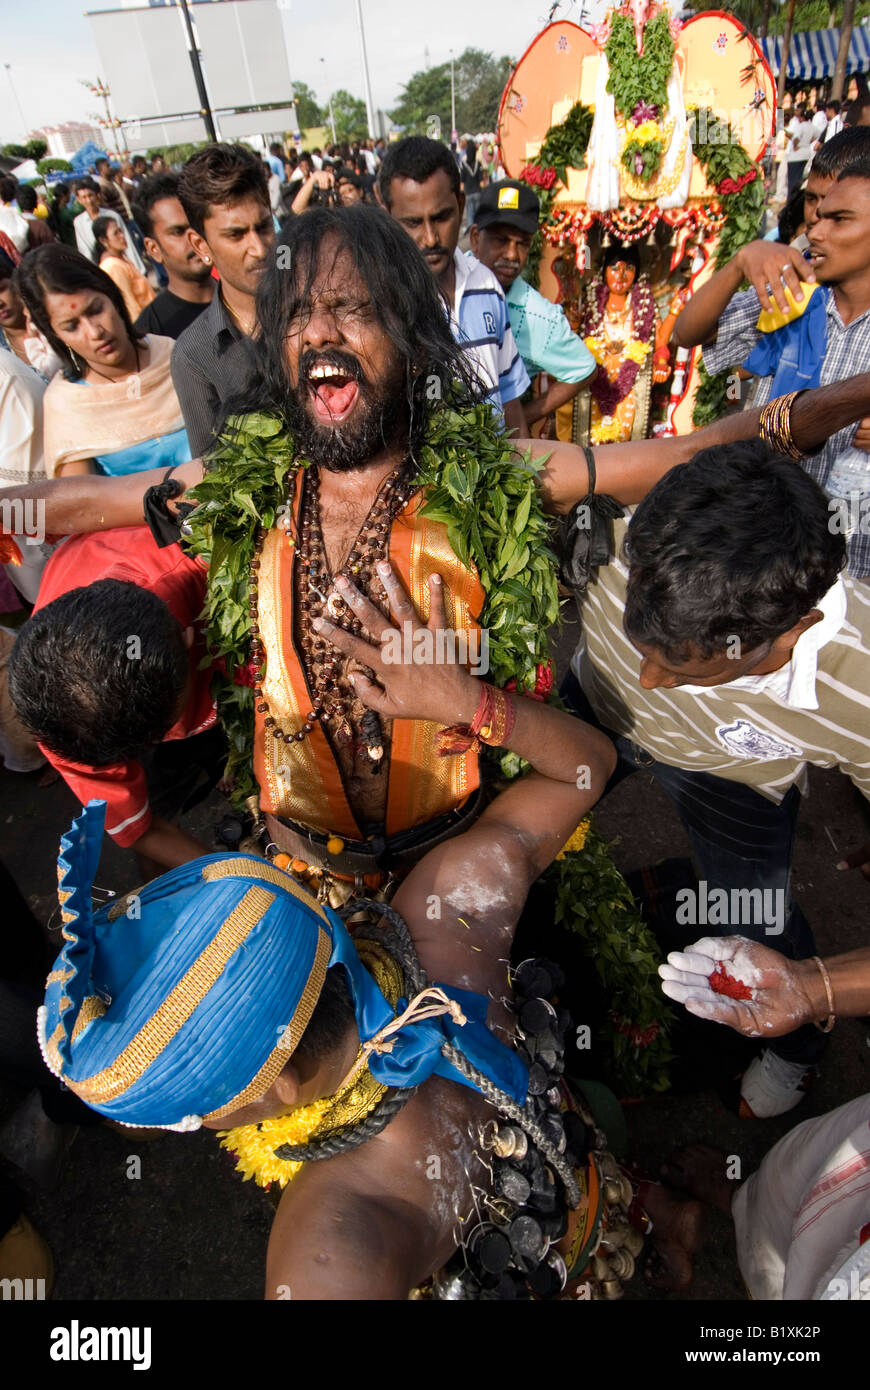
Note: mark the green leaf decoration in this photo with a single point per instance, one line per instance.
(466, 462)
(638, 77)
(593, 900)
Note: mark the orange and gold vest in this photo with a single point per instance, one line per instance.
(301, 781)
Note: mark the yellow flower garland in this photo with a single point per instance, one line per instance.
(253, 1146)
(577, 840)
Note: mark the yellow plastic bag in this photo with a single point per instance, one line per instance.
(771, 319)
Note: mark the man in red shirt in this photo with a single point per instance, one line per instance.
(109, 666)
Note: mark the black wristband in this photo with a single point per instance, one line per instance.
(165, 529)
(590, 464)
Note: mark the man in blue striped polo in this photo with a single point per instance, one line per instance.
(501, 238)
(419, 186)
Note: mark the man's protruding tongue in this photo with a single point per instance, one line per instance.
(332, 399)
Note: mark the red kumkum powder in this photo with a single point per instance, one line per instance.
(723, 983)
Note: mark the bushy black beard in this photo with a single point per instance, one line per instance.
(381, 424)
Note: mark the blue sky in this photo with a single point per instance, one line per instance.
(49, 46)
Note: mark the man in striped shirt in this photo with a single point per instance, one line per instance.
(724, 319)
(725, 655)
(419, 186)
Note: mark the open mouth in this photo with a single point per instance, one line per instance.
(334, 393)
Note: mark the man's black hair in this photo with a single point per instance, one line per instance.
(404, 298)
(416, 158)
(843, 149)
(153, 189)
(832, 105)
(333, 1016)
(85, 181)
(8, 189)
(790, 218)
(98, 673)
(859, 168)
(735, 543)
(220, 175)
(27, 198)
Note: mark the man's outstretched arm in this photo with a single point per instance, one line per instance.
(628, 471)
(90, 502)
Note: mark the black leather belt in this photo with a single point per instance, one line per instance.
(382, 853)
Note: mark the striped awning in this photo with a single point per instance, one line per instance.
(814, 54)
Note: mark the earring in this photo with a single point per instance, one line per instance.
(207, 260)
(75, 361)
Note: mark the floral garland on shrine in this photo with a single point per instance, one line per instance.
(605, 392)
(564, 147)
(740, 186)
(638, 83)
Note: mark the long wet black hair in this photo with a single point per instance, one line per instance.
(404, 296)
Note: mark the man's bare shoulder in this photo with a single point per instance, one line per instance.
(378, 1220)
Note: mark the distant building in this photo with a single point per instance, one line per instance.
(63, 140)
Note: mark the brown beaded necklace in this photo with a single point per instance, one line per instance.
(332, 694)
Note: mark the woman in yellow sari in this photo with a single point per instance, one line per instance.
(111, 256)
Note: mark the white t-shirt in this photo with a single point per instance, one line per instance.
(15, 227)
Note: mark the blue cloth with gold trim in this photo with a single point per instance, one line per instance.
(185, 1001)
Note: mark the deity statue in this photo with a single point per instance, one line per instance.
(623, 331)
(643, 153)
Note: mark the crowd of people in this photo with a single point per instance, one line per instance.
(276, 423)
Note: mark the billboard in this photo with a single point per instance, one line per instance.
(145, 59)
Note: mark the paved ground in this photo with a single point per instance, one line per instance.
(188, 1227)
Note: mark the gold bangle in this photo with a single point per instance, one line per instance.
(774, 426)
(829, 993)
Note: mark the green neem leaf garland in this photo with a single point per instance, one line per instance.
(740, 186)
(594, 900)
(489, 501)
(565, 144)
(475, 484)
(564, 147)
(639, 78)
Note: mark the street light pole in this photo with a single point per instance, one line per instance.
(453, 132)
(329, 100)
(103, 92)
(204, 107)
(8, 67)
(370, 108)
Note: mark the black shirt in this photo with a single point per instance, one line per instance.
(168, 315)
(211, 362)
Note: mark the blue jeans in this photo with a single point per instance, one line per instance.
(740, 841)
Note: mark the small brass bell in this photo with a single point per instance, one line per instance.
(622, 1264)
(612, 1192)
(633, 1242)
(611, 1289)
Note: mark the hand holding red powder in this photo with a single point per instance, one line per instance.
(732, 980)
